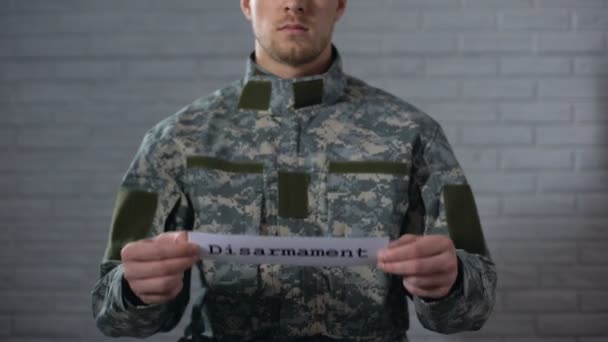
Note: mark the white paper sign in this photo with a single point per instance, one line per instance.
(304, 251)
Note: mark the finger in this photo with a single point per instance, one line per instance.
(431, 281)
(146, 250)
(158, 268)
(157, 299)
(162, 286)
(436, 293)
(424, 266)
(404, 239)
(421, 247)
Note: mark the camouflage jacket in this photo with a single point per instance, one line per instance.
(325, 155)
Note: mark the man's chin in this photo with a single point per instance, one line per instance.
(297, 56)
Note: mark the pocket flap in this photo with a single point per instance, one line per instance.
(387, 167)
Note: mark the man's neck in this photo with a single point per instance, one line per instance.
(316, 67)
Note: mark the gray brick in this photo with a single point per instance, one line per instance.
(420, 42)
(498, 89)
(579, 278)
(591, 66)
(66, 184)
(539, 205)
(576, 42)
(383, 66)
(592, 158)
(8, 92)
(82, 207)
(133, 5)
(21, 207)
(33, 254)
(426, 4)
(593, 205)
(517, 276)
(223, 67)
(570, 88)
(541, 301)
(461, 337)
(518, 229)
(58, 326)
(540, 339)
(488, 206)
(5, 325)
(591, 111)
(458, 112)
(535, 20)
(510, 325)
(543, 112)
(424, 89)
(594, 301)
(472, 159)
(564, 135)
(55, 46)
(492, 135)
(496, 42)
(162, 69)
(461, 66)
(36, 303)
(572, 3)
(381, 18)
(591, 19)
(52, 136)
(168, 45)
(7, 185)
(53, 279)
(537, 158)
(536, 253)
(466, 20)
(89, 230)
(8, 137)
(126, 92)
(491, 183)
(13, 113)
(535, 66)
(582, 181)
(593, 253)
(351, 43)
(76, 159)
(123, 137)
(499, 4)
(573, 324)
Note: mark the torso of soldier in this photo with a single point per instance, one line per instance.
(325, 155)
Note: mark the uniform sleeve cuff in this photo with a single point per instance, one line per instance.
(457, 290)
(126, 300)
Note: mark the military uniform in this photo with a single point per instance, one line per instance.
(325, 155)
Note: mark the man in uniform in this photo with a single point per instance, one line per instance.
(295, 148)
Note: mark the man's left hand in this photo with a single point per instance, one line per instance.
(428, 264)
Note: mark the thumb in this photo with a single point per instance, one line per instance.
(173, 237)
(181, 237)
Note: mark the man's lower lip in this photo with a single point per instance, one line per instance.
(290, 30)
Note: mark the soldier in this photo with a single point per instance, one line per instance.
(295, 148)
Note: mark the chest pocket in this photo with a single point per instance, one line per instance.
(365, 198)
(227, 198)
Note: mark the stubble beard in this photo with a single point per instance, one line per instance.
(297, 53)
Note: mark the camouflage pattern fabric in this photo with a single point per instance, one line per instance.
(217, 162)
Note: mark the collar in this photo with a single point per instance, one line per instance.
(264, 91)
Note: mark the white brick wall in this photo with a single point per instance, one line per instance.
(520, 86)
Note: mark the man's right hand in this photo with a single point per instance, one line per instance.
(154, 268)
